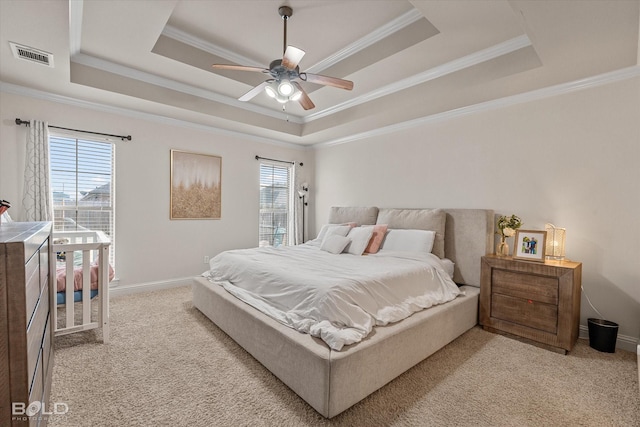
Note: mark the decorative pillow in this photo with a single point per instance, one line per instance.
(409, 240)
(449, 266)
(325, 229)
(379, 231)
(417, 219)
(360, 237)
(334, 243)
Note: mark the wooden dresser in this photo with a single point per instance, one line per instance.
(536, 301)
(26, 340)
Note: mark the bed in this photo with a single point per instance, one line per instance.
(332, 380)
(82, 273)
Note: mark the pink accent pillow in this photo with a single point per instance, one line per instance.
(379, 231)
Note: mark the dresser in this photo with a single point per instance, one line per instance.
(539, 302)
(26, 350)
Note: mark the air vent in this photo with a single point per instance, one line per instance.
(31, 54)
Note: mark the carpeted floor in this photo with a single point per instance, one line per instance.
(168, 365)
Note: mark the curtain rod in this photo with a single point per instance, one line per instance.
(122, 137)
(276, 160)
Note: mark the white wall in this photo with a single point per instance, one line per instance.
(572, 160)
(150, 246)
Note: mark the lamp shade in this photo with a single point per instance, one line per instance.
(555, 242)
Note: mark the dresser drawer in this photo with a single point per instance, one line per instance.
(32, 289)
(46, 348)
(37, 385)
(525, 312)
(527, 286)
(36, 329)
(44, 263)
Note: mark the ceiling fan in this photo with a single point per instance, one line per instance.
(284, 74)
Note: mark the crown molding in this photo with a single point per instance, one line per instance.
(547, 92)
(153, 79)
(75, 26)
(191, 40)
(135, 114)
(395, 25)
(430, 74)
(382, 32)
(386, 30)
(560, 89)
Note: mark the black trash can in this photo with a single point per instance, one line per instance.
(603, 335)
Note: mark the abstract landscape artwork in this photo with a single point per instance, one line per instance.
(196, 185)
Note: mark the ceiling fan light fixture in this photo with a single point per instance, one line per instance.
(271, 92)
(296, 96)
(285, 88)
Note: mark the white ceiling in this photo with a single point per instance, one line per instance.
(409, 60)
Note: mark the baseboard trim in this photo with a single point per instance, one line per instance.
(117, 291)
(624, 342)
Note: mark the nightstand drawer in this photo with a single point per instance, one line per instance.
(525, 312)
(527, 286)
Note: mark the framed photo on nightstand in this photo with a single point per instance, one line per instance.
(530, 245)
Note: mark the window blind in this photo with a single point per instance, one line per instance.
(275, 204)
(82, 175)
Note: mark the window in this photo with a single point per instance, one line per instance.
(83, 187)
(276, 204)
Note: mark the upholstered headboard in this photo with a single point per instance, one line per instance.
(468, 233)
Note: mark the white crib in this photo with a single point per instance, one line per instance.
(78, 250)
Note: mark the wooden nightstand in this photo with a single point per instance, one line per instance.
(536, 301)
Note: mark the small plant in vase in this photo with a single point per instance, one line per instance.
(507, 226)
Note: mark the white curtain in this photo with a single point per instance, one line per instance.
(37, 200)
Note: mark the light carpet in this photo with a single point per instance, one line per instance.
(168, 365)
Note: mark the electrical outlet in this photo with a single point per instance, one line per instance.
(206, 259)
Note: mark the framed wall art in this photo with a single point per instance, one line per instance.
(196, 186)
(530, 245)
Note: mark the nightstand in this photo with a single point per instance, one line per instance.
(539, 302)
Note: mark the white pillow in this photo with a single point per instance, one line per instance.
(334, 243)
(332, 229)
(449, 266)
(409, 240)
(360, 237)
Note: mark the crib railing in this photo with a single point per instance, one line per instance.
(79, 249)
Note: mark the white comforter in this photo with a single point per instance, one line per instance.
(338, 298)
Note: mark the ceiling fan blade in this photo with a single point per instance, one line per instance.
(239, 68)
(327, 81)
(304, 100)
(253, 92)
(292, 57)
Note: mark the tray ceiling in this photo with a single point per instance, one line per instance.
(409, 60)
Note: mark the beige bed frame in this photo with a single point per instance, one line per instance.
(332, 381)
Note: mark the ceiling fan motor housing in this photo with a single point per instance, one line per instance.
(279, 72)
